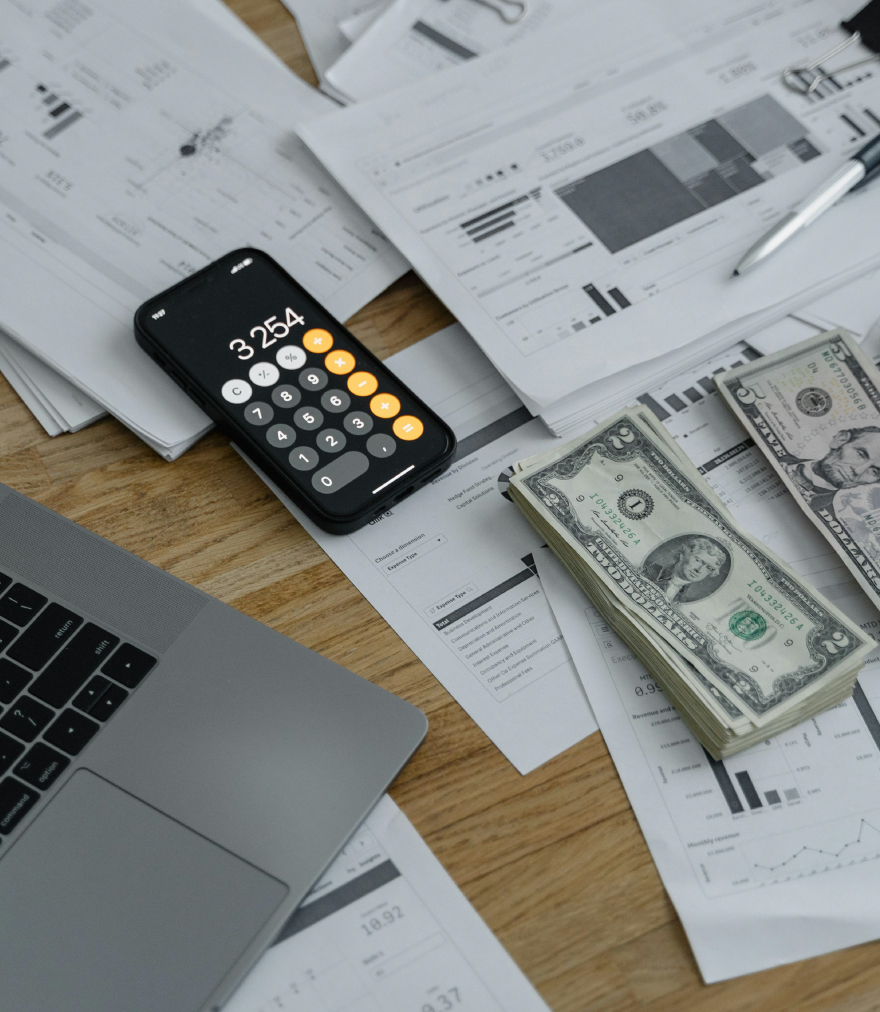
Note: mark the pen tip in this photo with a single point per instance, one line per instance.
(735, 274)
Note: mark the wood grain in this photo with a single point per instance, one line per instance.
(553, 861)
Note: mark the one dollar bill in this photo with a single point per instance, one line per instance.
(707, 607)
(814, 410)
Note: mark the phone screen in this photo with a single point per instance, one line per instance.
(294, 384)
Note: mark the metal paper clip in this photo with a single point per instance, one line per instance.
(511, 11)
(806, 80)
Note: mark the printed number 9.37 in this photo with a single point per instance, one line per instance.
(267, 333)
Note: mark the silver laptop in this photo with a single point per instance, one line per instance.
(174, 776)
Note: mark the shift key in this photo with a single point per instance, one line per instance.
(70, 669)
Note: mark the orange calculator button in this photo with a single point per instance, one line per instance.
(407, 427)
(317, 340)
(339, 362)
(362, 384)
(385, 405)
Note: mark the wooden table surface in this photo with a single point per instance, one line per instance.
(553, 861)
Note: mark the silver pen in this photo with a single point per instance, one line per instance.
(855, 172)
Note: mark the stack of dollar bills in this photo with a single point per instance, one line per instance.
(739, 643)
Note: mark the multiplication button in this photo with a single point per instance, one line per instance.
(259, 413)
(291, 356)
(340, 472)
(385, 405)
(286, 396)
(381, 445)
(330, 441)
(335, 401)
(236, 391)
(303, 459)
(280, 436)
(358, 423)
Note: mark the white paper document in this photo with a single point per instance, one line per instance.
(413, 39)
(139, 143)
(386, 930)
(451, 568)
(773, 855)
(580, 199)
(320, 25)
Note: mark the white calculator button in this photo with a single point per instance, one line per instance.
(291, 356)
(264, 374)
(236, 391)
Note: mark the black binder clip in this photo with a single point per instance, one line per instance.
(863, 28)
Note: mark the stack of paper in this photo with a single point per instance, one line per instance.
(140, 145)
(580, 203)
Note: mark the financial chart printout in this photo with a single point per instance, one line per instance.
(579, 199)
(773, 855)
(386, 930)
(138, 143)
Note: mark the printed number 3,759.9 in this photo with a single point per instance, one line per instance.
(267, 334)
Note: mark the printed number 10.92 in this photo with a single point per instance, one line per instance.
(267, 333)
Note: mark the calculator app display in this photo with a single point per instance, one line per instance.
(299, 386)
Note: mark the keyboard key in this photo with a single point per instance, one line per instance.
(12, 680)
(16, 801)
(20, 604)
(91, 693)
(42, 766)
(128, 665)
(7, 634)
(10, 750)
(26, 718)
(340, 472)
(71, 732)
(109, 702)
(79, 659)
(48, 633)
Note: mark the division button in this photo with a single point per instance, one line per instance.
(331, 441)
(381, 445)
(313, 379)
(407, 427)
(264, 374)
(335, 401)
(308, 418)
(291, 356)
(282, 437)
(363, 384)
(317, 340)
(385, 405)
(304, 459)
(340, 472)
(339, 362)
(259, 413)
(358, 423)
(236, 391)
(286, 396)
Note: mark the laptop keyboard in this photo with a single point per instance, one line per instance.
(61, 679)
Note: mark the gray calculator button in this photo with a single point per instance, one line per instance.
(303, 459)
(358, 423)
(281, 436)
(381, 445)
(308, 418)
(259, 413)
(331, 441)
(286, 396)
(340, 472)
(335, 401)
(313, 379)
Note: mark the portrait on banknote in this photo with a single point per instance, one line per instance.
(688, 568)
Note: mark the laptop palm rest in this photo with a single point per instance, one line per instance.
(127, 908)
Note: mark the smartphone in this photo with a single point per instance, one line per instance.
(316, 411)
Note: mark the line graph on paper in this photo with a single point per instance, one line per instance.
(815, 849)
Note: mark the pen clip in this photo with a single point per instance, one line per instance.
(510, 11)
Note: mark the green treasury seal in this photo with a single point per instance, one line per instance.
(748, 625)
